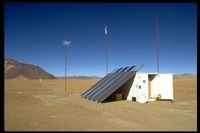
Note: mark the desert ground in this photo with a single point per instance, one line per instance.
(31, 105)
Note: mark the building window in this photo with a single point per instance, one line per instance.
(139, 86)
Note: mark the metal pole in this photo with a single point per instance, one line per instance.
(106, 52)
(157, 45)
(66, 43)
(65, 66)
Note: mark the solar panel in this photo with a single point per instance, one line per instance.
(115, 85)
(111, 82)
(93, 89)
(97, 85)
(124, 69)
(104, 86)
(119, 70)
(99, 88)
(130, 68)
(114, 70)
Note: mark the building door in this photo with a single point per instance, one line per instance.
(149, 86)
(165, 85)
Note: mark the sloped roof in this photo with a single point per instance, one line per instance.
(111, 82)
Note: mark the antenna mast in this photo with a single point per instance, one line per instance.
(106, 50)
(65, 65)
(157, 45)
(66, 44)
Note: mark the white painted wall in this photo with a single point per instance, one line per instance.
(165, 86)
(132, 92)
(161, 84)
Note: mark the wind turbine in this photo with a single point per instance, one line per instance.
(66, 43)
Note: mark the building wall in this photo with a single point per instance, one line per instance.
(142, 87)
(165, 85)
(125, 88)
(132, 93)
(139, 86)
(149, 85)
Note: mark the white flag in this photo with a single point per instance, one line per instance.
(106, 30)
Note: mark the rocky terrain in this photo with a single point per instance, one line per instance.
(16, 70)
(31, 105)
(13, 69)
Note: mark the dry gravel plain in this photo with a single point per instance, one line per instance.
(31, 105)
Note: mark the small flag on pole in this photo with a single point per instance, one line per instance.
(106, 30)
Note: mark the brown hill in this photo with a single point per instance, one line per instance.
(13, 69)
(21, 77)
(79, 77)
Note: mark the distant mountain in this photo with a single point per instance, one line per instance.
(79, 77)
(13, 69)
(16, 70)
(185, 74)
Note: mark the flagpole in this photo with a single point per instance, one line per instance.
(106, 49)
(157, 45)
(66, 43)
(65, 66)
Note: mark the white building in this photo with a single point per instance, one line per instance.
(128, 84)
(151, 86)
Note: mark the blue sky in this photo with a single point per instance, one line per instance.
(34, 34)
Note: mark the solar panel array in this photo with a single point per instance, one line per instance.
(111, 82)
